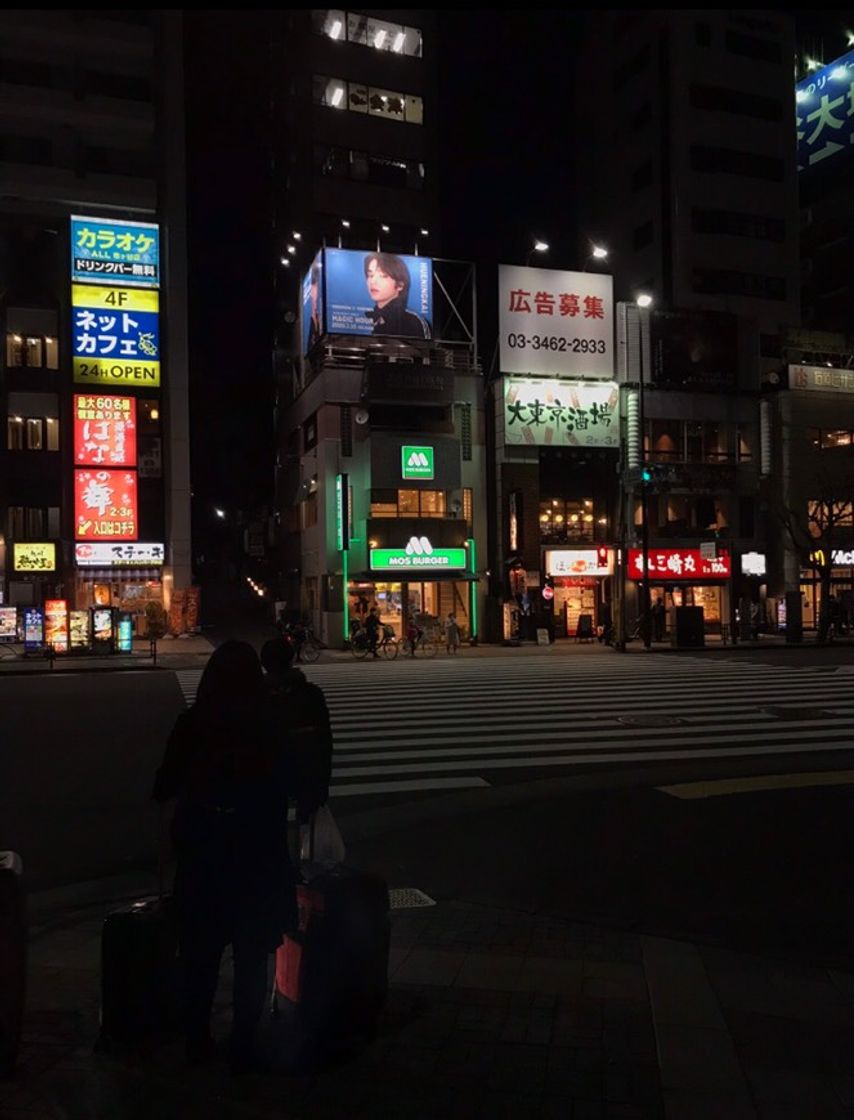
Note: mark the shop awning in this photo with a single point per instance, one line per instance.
(413, 576)
(116, 575)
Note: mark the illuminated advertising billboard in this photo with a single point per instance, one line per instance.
(34, 557)
(377, 294)
(577, 562)
(552, 413)
(56, 624)
(825, 123)
(556, 323)
(105, 506)
(312, 304)
(119, 252)
(669, 564)
(137, 555)
(115, 335)
(8, 624)
(419, 554)
(33, 628)
(104, 431)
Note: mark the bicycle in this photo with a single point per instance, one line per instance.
(306, 647)
(422, 644)
(360, 646)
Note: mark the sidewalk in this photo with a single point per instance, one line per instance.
(492, 1013)
(172, 653)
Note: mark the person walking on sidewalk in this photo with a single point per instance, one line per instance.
(234, 883)
(372, 629)
(452, 633)
(302, 718)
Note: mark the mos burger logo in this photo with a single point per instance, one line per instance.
(419, 546)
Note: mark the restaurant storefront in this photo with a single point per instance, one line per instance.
(126, 577)
(581, 581)
(687, 577)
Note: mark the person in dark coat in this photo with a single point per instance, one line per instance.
(234, 884)
(301, 716)
(388, 283)
(372, 629)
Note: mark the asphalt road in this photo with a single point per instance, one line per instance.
(78, 759)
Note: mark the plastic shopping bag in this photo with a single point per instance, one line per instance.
(320, 840)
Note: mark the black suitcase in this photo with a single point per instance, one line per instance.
(13, 959)
(332, 973)
(139, 971)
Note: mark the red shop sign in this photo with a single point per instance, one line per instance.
(672, 564)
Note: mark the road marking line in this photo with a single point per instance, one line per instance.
(363, 788)
(690, 791)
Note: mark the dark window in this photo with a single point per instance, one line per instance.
(116, 161)
(641, 117)
(22, 72)
(722, 281)
(642, 176)
(769, 346)
(632, 66)
(723, 100)
(385, 171)
(749, 46)
(128, 87)
(746, 518)
(309, 433)
(727, 161)
(643, 235)
(703, 34)
(26, 149)
(465, 431)
(737, 225)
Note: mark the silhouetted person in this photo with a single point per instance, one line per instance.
(234, 883)
(372, 629)
(658, 614)
(301, 717)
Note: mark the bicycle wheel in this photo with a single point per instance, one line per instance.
(428, 649)
(390, 648)
(359, 647)
(310, 651)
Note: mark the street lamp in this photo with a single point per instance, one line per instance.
(538, 247)
(600, 253)
(644, 302)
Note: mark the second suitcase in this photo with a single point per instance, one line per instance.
(332, 974)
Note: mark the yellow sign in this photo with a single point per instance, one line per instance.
(34, 557)
(115, 299)
(128, 371)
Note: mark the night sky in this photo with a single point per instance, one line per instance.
(507, 137)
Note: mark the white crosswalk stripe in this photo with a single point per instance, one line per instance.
(408, 726)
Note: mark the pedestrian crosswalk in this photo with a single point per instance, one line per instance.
(410, 726)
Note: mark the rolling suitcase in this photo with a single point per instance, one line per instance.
(13, 959)
(139, 971)
(332, 972)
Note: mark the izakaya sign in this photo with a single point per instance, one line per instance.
(34, 557)
(555, 323)
(116, 335)
(126, 252)
(416, 462)
(540, 413)
(579, 561)
(138, 555)
(105, 505)
(418, 554)
(104, 431)
(680, 564)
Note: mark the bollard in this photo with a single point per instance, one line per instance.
(154, 651)
(51, 654)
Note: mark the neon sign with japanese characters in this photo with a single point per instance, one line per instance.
(116, 334)
(824, 112)
(118, 251)
(142, 554)
(560, 324)
(540, 413)
(104, 431)
(34, 557)
(105, 506)
(680, 564)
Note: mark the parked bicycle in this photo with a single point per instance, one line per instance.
(305, 645)
(360, 646)
(421, 644)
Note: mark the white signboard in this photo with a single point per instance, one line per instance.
(821, 379)
(118, 555)
(753, 563)
(579, 561)
(540, 413)
(556, 323)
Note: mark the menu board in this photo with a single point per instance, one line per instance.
(56, 624)
(78, 629)
(102, 625)
(33, 628)
(8, 624)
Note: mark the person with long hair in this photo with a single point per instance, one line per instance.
(388, 281)
(234, 884)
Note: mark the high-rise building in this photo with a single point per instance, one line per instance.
(94, 468)
(688, 175)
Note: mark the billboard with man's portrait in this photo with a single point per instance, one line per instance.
(374, 293)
